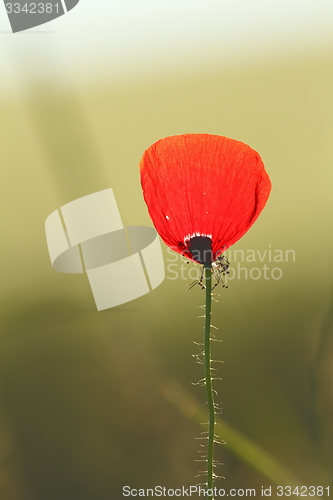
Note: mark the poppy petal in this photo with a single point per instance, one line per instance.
(203, 185)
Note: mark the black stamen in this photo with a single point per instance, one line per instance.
(201, 250)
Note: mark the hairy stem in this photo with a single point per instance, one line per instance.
(208, 380)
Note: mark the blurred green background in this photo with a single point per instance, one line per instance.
(83, 407)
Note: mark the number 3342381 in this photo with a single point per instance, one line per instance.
(32, 8)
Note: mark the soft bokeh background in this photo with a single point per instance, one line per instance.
(83, 411)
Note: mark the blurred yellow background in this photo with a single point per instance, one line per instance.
(82, 406)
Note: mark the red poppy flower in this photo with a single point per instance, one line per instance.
(203, 191)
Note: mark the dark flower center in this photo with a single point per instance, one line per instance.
(201, 250)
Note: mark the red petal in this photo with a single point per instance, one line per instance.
(204, 185)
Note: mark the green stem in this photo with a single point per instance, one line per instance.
(208, 380)
(236, 442)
